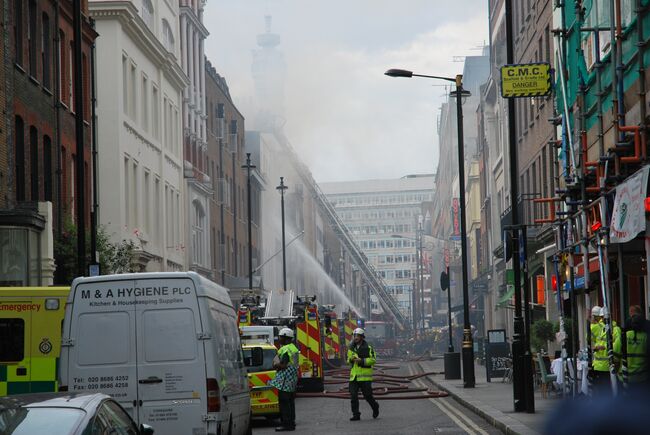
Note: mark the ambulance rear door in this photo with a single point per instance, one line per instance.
(15, 340)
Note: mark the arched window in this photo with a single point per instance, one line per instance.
(198, 233)
(147, 13)
(168, 36)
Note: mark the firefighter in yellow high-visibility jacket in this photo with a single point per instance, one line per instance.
(361, 357)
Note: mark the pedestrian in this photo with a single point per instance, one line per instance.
(361, 356)
(286, 379)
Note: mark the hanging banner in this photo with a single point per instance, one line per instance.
(455, 219)
(628, 215)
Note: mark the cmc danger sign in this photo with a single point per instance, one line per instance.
(525, 80)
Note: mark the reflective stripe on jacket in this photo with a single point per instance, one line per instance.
(637, 369)
(361, 371)
(599, 338)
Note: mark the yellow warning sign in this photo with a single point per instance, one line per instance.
(525, 80)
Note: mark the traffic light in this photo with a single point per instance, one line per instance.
(554, 283)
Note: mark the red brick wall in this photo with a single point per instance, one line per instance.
(36, 104)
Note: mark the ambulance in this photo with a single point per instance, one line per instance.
(30, 338)
(258, 359)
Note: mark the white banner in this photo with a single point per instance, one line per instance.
(628, 216)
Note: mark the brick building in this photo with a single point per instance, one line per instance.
(38, 172)
(228, 205)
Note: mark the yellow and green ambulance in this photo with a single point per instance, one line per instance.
(31, 320)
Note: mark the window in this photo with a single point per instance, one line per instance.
(135, 221)
(125, 84)
(60, 53)
(47, 168)
(132, 96)
(33, 162)
(147, 13)
(146, 195)
(85, 87)
(46, 52)
(71, 76)
(155, 112)
(31, 35)
(71, 186)
(12, 340)
(127, 188)
(198, 232)
(157, 210)
(18, 31)
(112, 419)
(168, 36)
(20, 159)
(145, 103)
(175, 325)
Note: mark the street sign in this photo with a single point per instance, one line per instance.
(525, 80)
(479, 286)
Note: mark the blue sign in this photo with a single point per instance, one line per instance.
(454, 238)
(578, 283)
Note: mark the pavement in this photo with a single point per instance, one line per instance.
(493, 400)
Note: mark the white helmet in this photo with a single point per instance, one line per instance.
(359, 331)
(596, 311)
(286, 332)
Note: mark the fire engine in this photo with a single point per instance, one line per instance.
(332, 337)
(299, 313)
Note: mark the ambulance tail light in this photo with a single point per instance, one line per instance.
(63, 388)
(214, 395)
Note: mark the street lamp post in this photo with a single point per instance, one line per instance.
(468, 345)
(248, 166)
(421, 234)
(281, 188)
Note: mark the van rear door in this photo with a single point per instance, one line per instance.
(171, 360)
(102, 354)
(15, 344)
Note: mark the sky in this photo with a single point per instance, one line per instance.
(344, 117)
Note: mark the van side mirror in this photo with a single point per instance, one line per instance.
(257, 356)
(145, 429)
(328, 322)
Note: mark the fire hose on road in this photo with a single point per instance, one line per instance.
(385, 386)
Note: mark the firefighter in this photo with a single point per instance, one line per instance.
(361, 356)
(286, 380)
(601, 375)
(637, 346)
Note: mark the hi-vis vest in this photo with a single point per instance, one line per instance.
(599, 338)
(361, 371)
(637, 368)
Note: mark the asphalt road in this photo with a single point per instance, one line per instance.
(415, 416)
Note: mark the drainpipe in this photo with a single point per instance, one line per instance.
(57, 122)
(95, 191)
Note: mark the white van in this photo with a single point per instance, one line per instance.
(165, 345)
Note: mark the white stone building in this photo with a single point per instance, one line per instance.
(140, 87)
(198, 186)
(382, 216)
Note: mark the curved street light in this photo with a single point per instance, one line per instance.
(468, 346)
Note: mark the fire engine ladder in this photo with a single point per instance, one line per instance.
(375, 282)
(279, 304)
